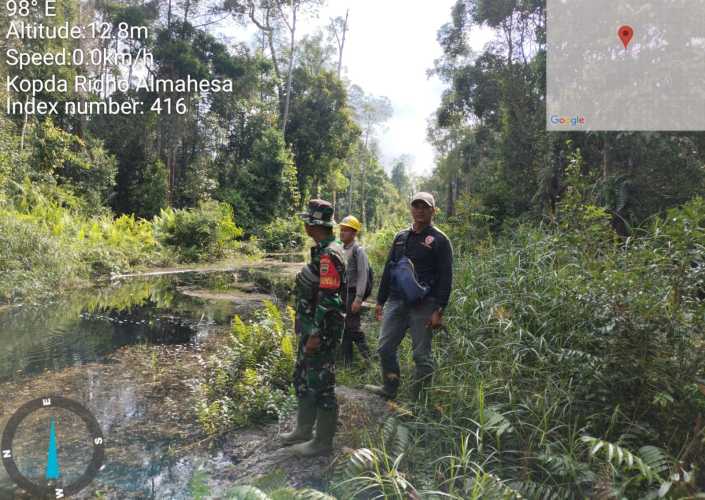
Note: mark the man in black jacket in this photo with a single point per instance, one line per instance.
(431, 253)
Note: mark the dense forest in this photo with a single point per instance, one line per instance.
(290, 129)
(573, 361)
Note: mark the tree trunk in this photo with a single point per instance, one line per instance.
(350, 191)
(24, 122)
(290, 71)
(341, 44)
(168, 17)
(364, 194)
(450, 205)
(606, 157)
(364, 176)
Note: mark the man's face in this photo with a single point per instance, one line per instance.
(347, 235)
(309, 230)
(421, 213)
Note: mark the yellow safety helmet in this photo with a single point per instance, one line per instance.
(351, 222)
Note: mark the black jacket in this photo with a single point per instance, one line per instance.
(432, 255)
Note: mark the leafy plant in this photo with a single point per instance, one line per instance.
(199, 233)
(377, 471)
(281, 234)
(249, 379)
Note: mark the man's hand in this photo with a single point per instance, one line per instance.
(355, 307)
(312, 344)
(436, 320)
(378, 312)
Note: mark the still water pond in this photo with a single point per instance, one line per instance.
(131, 353)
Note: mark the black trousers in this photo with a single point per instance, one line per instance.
(352, 333)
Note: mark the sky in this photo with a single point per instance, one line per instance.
(389, 48)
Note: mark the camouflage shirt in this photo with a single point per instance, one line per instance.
(319, 285)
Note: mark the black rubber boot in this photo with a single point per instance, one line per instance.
(388, 389)
(322, 443)
(305, 418)
(361, 342)
(346, 348)
(419, 386)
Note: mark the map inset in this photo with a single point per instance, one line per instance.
(626, 65)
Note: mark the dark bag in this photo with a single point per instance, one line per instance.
(370, 275)
(403, 276)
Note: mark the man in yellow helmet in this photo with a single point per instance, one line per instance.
(359, 285)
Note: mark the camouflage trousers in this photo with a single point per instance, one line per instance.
(314, 374)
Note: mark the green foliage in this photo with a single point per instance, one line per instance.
(311, 494)
(623, 458)
(321, 129)
(377, 471)
(49, 247)
(271, 178)
(556, 334)
(80, 165)
(273, 486)
(198, 485)
(33, 262)
(148, 193)
(264, 187)
(198, 233)
(247, 493)
(253, 493)
(249, 380)
(469, 225)
(490, 134)
(378, 244)
(281, 235)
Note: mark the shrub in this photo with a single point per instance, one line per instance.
(559, 334)
(33, 261)
(378, 244)
(115, 245)
(48, 248)
(249, 379)
(469, 225)
(282, 234)
(197, 233)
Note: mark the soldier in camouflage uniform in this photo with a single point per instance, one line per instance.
(319, 324)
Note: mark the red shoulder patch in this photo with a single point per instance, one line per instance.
(330, 278)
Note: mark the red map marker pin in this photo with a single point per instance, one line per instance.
(626, 33)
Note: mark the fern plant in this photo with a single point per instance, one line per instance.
(376, 472)
(646, 474)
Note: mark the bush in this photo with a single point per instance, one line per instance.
(281, 235)
(560, 334)
(33, 261)
(115, 245)
(199, 233)
(250, 378)
(378, 244)
(469, 225)
(48, 248)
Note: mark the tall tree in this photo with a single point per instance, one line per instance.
(339, 28)
(371, 112)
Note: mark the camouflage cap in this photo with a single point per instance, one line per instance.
(320, 213)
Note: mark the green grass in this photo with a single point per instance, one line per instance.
(572, 367)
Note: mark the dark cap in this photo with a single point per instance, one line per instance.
(427, 198)
(320, 213)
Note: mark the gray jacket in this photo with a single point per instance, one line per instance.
(356, 266)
